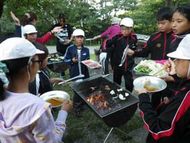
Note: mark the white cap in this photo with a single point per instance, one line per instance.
(15, 48)
(28, 29)
(127, 22)
(78, 32)
(183, 49)
(115, 20)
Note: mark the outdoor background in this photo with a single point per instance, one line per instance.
(93, 16)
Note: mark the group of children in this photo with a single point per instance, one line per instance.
(169, 123)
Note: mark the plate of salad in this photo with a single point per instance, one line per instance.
(150, 67)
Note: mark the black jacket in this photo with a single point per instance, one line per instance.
(116, 48)
(171, 123)
(157, 46)
(44, 83)
(177, 39)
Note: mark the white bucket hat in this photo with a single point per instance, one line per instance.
(127, 22)
(28, 29)
(15, 48)
(115, 20)
(78, 32)
(183, 49)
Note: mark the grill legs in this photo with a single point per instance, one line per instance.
(128, 137)
(108, 135)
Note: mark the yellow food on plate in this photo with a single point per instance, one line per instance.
(150, 88)
(55, 102)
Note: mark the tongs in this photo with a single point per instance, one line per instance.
(70, 79)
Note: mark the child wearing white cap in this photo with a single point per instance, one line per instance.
(74, 55)
(170, 122)
(24, 117)
(117, 48)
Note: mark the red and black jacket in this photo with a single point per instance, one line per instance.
(171, 124)
(116, 48)
(157, 46)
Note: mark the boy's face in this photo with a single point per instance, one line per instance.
(31, 37)
(126, 30)
(164, 26)
(181, 67)
(79, 40)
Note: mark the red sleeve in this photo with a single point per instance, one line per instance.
(45, 38)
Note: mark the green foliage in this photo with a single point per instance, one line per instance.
(80, 14)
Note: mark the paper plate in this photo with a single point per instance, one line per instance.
(91, 64)
(55, 97)
(150, 83)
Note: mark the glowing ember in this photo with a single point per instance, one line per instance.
(98, 100)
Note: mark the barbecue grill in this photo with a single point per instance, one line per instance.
(57, 67)
(118, 111)
(114, 112)
(56, 63)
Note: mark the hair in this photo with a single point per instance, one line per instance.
(164, 13)
(61, 16)
(42, 48)
(28, 18)
(14, 66)
(2, 90)
(184, 10)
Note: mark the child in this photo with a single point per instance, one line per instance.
(117, 47)
(43, 82)
(181, 27)
(23, 116)
(170, 122)
(30, 33)
(180, 24)
(159, 43)
(73, 57)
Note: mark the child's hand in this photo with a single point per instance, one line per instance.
(56, 29)
(130, 52)
(15, 19)
(170, 67)
(56, 80)
(74, 60)
(140, 91)
(67, 105)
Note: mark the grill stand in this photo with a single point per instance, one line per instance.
(117, 130)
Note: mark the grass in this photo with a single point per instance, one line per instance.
(91, 129)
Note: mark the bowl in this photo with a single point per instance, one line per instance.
(149, 83)
(55, 98)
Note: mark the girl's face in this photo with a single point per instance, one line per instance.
(126, 31)
(164, 26)
(79, 40)
(33, 22)
(180, 24)
(44, 63)
(181, 67)
(34, 67)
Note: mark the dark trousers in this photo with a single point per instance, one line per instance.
(128, 77)
(106, 70)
